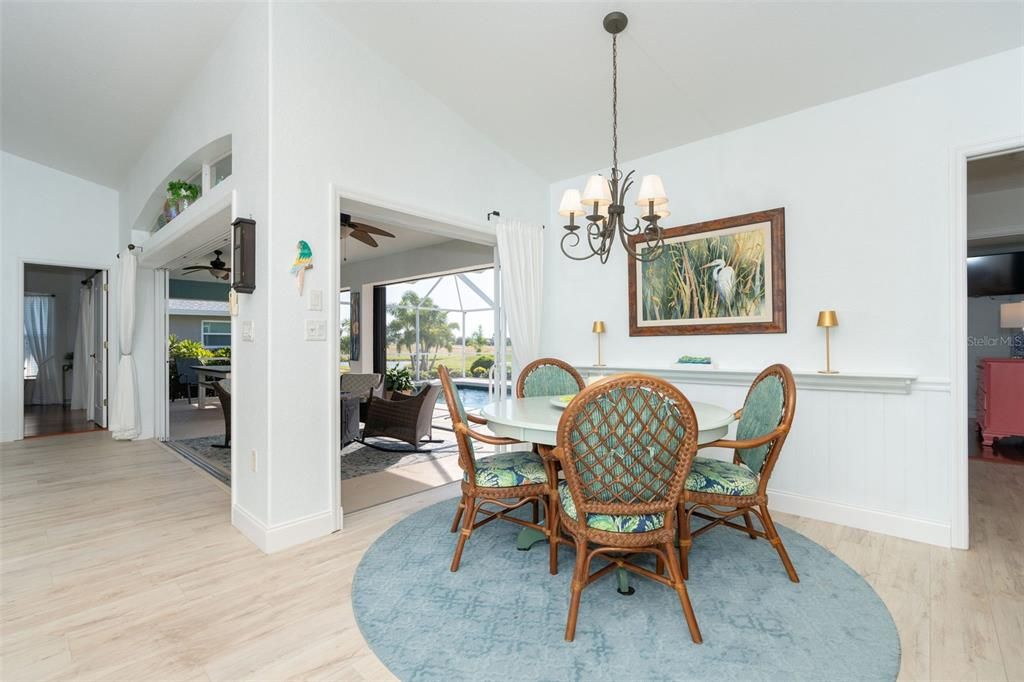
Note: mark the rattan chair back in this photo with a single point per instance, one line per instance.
(627, 444)
(458, 414)
(548, 376)
(782, 378)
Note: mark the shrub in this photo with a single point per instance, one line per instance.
(398, 379)
(478, 372)
(484, 361)
(187, 348)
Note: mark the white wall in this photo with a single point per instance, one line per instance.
(341, 114)
(45, 217)
(229, 95)
(995, 214)
(866, 182)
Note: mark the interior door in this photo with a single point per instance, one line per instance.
(98, 409)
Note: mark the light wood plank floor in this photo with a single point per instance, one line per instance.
(119, 563)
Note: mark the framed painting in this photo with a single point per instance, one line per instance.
(354, 339)
(725, 276)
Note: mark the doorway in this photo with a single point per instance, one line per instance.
(418, 294)
(197, 327)
(64, 341)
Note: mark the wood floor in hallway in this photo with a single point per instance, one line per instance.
(119, 562)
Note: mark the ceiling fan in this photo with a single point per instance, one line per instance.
(361, 231)
(217, 268)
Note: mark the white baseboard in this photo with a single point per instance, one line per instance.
(272, 539)
(887, 523)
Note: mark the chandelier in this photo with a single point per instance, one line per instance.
(603, 202)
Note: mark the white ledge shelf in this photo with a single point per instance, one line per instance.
(856, 382)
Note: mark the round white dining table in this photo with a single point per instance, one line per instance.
(535, 420)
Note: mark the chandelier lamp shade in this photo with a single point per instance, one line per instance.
(603, 201)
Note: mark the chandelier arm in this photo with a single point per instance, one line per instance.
(655, 246)
(565, 251)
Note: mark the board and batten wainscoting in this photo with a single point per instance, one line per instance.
(870, 451)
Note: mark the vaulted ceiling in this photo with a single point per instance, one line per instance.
(85, 85)
(536, 76)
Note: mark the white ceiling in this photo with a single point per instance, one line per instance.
(86, 85)
(536, 77)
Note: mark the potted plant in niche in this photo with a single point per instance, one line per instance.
(180, 195)
(397, 380)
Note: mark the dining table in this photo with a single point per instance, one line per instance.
(209, 374)
(535, 420)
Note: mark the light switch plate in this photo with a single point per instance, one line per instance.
(248, 331)
(316, 330)
(316, 299)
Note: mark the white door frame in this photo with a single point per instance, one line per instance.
(960, 522)
(19, 406)
(449, 226)
(162, 381)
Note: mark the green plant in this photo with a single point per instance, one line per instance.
(484, 362)
(478, 340)
(435, 331)
(398, 379)
(186, 348)
(478, 372)
(179, 189)
(222, 353)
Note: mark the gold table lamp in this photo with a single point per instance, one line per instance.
(827, 319)
(599, 330)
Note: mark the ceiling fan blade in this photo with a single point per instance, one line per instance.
(362, 227)
(196, 267)
(363, 237)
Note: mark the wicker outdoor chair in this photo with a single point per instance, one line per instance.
(720, 491)
(548, 376)
(625, 444)
(407, 418)
(507, 480)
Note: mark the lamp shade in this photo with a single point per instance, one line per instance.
(651, 189)
(598, 327)
(1011, 315)
(597, 191)
(662, 210)
(828, 318)
(570, 203)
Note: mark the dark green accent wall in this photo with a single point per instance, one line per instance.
(199, 291)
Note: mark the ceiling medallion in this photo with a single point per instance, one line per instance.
(603, 202)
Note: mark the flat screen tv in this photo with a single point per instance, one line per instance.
(997, 275)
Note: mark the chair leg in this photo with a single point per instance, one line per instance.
(773, 537)
(468, 517)
(551, 519)
(684, 598)
(458, 513)
(659, 564)
(536, 511)
(685, 541)
(750, 525)
(579, 581)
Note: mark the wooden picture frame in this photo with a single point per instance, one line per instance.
(725, 276)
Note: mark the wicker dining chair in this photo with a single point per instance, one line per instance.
(719, 491)
(548, 376)
(553, 377)
(507, 480)
(625, 444)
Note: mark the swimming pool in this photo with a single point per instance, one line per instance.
(473, 397)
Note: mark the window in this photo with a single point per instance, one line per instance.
(217, 333)
(38, 331)
(345, 321)
(220, 170)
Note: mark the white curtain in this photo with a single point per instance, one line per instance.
(124, 418)
(83, 364)
(40, 332)
(521, 257)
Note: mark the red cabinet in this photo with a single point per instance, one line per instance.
(1000, 398)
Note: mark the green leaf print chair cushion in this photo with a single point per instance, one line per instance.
(548, 376)
(613, 523)
(716, 477)
(507, 469)
(761, 415)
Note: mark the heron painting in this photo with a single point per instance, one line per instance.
(725, 276)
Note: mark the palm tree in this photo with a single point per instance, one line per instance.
(435, 331)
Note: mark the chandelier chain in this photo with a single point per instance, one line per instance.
(615, 101)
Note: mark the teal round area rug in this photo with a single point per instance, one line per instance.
(502, 615)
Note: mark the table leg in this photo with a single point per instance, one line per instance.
(528, 537)
(201, 390)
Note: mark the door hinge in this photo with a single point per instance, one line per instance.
(104, 402)
(105, 345)
(106, 288)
